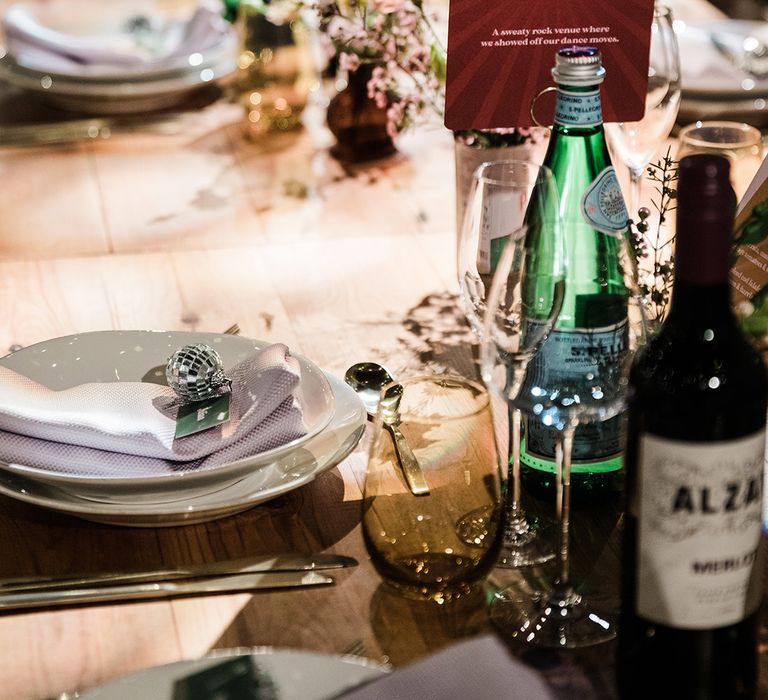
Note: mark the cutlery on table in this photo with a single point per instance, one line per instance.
(747, 53)
(164, 589)
(270, 565)
(367, 380)
(82, 130)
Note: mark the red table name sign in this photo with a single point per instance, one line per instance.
(501, 52)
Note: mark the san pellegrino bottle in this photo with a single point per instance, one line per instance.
(230, 10)
(694, 464)
(592, 321)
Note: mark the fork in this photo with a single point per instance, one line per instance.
(354, 648)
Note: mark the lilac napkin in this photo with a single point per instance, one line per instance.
(127, 428)
(167, 46)
(478, 669)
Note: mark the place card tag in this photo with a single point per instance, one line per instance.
(233, 679)
(202, 415)
(501, 53)
(749, 274)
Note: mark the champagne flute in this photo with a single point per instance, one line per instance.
(634, 143)
(504, 198)
(562, 617)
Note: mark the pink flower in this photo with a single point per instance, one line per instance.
(379, 73)
(390, 49)
(349, 62)
(408, 17)
(339, 28)
(419, 60)
(395, 112)
(387, 6)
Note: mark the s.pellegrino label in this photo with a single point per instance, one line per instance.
(699, 508)
(602, 205)
(578, 108)
(565, 360)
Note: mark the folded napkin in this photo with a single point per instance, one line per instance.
(127, 428)
(478, 669)
(133, 49)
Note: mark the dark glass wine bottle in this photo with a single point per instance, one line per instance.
(593, 315)
(694, 464)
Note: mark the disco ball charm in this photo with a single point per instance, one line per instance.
(195, 372)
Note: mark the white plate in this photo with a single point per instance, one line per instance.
(297, 675)
(115, 96)
(288, 473)
(135, 356)
(113, 24)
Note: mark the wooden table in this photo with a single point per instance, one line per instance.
(195, 230)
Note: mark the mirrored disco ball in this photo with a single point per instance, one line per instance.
(196, 372)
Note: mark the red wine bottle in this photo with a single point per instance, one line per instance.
(692, 583)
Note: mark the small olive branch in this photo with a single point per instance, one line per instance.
(653, 250)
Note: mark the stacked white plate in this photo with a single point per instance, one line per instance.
(334, 415)
(115, 89)
(294, 674)
(715, 82)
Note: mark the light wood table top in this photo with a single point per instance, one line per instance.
(195, 230)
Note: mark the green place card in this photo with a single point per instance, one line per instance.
(234, 679)
(202, 415)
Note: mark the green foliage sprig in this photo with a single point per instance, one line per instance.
(653, 249)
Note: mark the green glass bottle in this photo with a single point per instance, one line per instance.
(230, 10)
(593, 316)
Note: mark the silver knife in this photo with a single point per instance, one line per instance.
(252, 565)
(164, 589)
(81, 129)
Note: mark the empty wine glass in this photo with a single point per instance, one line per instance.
(742, 144)
(562, 617)
(505, 197)
(634, 143)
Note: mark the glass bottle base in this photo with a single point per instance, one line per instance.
(586, 489)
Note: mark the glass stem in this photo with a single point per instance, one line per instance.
(515, 517)
(516, 419)
(563, 589)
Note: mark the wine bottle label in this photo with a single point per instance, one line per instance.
(565, 360)
(502, 214)
(578, 108)
(699, 509)
(602, 205)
